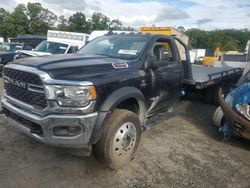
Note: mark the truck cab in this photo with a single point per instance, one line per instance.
(104, 96)
(58, 42)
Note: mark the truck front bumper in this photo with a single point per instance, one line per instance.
(239, 124)
(61, 130)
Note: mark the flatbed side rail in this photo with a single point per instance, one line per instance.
(215, 78)
(223, 73)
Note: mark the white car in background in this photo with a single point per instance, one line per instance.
(58, 42)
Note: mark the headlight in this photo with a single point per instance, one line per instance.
(71, 96)
(243, 109)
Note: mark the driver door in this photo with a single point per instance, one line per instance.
(168, 74)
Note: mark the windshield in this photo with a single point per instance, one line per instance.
(10, 47)
(51, 47)
(116, 46)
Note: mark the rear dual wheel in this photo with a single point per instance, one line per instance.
(120, 139)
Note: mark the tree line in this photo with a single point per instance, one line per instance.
(226, 40)
(35, 19)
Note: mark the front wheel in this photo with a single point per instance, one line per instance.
(218, 117)
(120, 139)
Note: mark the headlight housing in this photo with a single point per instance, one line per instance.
(243, 109)
(71, 96)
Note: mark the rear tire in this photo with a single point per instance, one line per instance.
(119, 140)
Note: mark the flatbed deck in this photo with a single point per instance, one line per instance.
(207, 76)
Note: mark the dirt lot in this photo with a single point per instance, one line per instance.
(184, 151)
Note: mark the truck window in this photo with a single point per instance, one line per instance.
(181, 50)
(27, 47)
(51, 47)
(162, 43)
(18, 47)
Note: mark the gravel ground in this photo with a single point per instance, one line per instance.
(184, 151)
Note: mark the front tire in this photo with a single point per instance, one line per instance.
(218, 117)
(120, 139)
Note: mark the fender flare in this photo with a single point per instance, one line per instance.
(122, 94)
(111, 102)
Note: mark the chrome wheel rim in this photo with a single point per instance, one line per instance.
(124, 140)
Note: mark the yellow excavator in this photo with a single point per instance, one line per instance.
(210, 60)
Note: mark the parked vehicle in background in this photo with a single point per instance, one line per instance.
(199, 60)
(105, 95)
(211, 57)
(192, 56)
(233, 59)
(199, 55)
(32, 40)
(58, 42)
(1, 40)
(8, 51)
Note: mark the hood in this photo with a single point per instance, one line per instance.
(33, 53)
(76, 66)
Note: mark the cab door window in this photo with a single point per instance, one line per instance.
(27, 47)
(162, 45)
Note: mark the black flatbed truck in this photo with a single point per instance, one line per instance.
(105, 95)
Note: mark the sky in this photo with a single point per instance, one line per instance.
(203, 14)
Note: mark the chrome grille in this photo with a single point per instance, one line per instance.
(25, 87)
